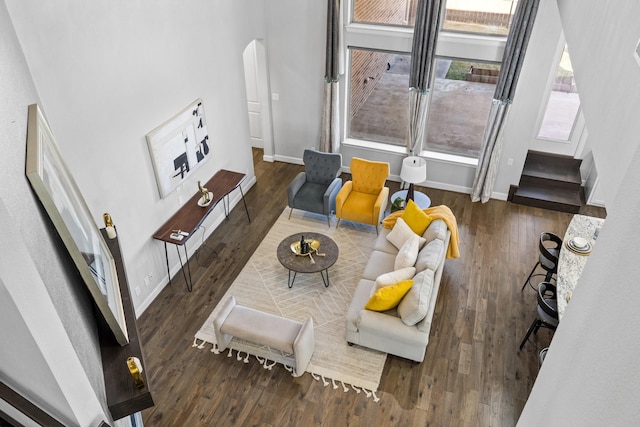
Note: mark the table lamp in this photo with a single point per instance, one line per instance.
(414, 171)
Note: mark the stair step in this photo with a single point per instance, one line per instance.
(552, 167)
(550, 183)
(554, 198)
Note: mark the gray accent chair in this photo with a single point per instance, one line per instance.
(315, 189)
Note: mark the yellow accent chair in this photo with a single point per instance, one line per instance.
(364, 198)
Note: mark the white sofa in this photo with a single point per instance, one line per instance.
(386, 331)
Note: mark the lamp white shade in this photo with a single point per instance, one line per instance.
(414, 170)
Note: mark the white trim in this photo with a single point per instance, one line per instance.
(379, 29)
(288, 159)
(449, 158)
(375, 146)
(268, 159)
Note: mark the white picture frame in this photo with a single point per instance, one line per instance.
(55, 187)
(178, 147)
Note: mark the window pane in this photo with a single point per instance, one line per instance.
(379, 96)
(564, 103)
(460, 103)
(479, 16)
(388, 12)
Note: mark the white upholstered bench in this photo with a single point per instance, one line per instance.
(294, 340)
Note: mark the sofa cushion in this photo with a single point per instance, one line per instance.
(379, 263)
(394, 277)
(416, 218)
(414, 306)
(388, 297)
(407, 254)
(400, 233)
(384, 245)
(430, 256)
(437, 229)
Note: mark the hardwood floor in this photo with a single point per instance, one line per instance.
(473, 373)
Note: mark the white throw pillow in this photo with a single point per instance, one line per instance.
(393, 277)
(415, 304)
(408, 253)
(400, 233)
(430, 256)
(436, 230)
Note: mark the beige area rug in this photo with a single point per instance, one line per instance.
(262, 285)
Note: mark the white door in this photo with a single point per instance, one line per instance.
(254, 106)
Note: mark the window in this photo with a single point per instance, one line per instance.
(563, 105)
(385, 12)
(379, 96)
(460, 102)
(377, 106)
(491, 17)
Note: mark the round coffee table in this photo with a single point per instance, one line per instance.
(323, 258)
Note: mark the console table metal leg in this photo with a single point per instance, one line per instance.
(166, 258)
(187, 281)
(225, 201)
(245, 203)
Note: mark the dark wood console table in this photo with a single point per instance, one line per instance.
(190, 216)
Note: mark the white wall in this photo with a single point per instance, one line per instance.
(295, 46)
(108, 75)
(50, 351)
(590, 376)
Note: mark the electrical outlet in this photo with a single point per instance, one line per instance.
(147, 280)
(510, 162)
(137, 290)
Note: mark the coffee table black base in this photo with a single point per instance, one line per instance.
(322, 273)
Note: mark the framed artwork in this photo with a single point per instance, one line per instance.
(69, 213)
(178, 147)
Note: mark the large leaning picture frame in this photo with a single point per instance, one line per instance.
(69, 213)
(179, 146)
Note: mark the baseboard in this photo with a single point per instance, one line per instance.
(287, 159)
(268, 159)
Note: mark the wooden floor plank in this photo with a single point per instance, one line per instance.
(473, 372)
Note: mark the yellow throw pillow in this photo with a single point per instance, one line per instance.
(416, 218)
(388, 297)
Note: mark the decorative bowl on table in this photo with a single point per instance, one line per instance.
(204, 203)
(313, 247)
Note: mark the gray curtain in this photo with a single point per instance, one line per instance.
(512, 60)
(330, 132)
(423, 52)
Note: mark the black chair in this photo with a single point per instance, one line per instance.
(549, 246)
(547, 310)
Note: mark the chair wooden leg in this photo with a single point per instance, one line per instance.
(377, 230)
(328, 221)
(290, 212)
(338, 224)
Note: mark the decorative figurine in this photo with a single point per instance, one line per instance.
(110, 229)
(206, 198)
(135, 369)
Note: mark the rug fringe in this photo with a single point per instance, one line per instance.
(195, 343)
(266, 365)
(368, 393)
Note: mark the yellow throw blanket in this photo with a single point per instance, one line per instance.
(436, 212)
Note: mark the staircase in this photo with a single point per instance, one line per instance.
(549, 181)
